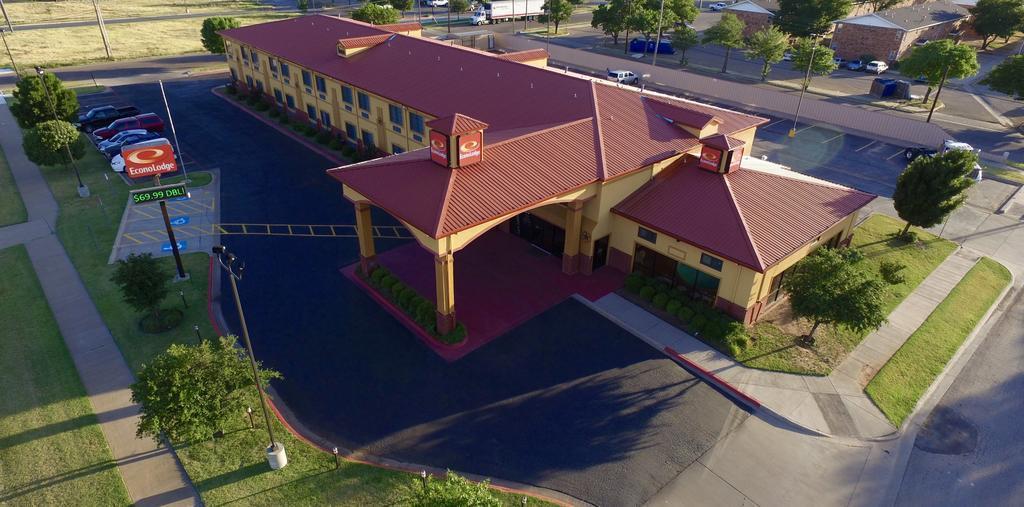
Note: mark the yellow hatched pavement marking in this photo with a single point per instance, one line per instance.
(298, 230)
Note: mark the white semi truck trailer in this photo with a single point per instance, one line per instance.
(507, 10)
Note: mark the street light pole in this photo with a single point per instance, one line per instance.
(3, 35)
(6, 17)
(657, 45)
(83, 191)
(806, 83)
(945, 74)
(276, 456)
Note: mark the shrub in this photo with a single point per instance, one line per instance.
(891, 272)
(660, 300)
(713, 331)
(635, 282)
(308, 130)
(274, 113)
(661, 286)
(455, 335)
(673, 306)
(335, 144)
(261, 105)
(388, 281)
(647, 293)
(323, 137)
(733, 349)
(347, 150)
(697, 323)
(252, 99)
(284, 119)
(405, 298)
(377, 274)
(395, 289)
(231, 89)
(452, 490)
(685, 314)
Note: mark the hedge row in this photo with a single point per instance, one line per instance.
(415, 306)
(710, 325)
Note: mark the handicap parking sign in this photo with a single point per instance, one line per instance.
(183, 198)
(182, 220)
(182, 245)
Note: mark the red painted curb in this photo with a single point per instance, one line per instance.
(708, 376)
(286, 131)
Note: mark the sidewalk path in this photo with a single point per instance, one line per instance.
(833, 405)
(152, 474)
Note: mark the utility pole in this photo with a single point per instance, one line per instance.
(7, 18)
(103, 29)
(83, 190)
(170, 120)
(806, 83)
(3, 35)
(657, 45)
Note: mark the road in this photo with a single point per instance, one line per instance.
(142, 19)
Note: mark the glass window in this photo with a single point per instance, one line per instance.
(396, 114)
(277, 96)
(288, 99)
(416, 122)
(350, 131)
(311, 112)
(396, 149)
(307, 78)
(255, 60)
(346, 94)
(285, 71)
(321, 84)
(273, 64)
(712, 262)
(700, 284)
(647, 235)
(245, 54)
(259, 85)
(367, 139)
(325, 118)
(234, 76)
(364, 101)
(248, 81)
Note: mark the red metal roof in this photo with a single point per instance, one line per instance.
(363, 42)
(408, 26)
(722, 142)
(678, 112)
(456, 124)
(751, 217)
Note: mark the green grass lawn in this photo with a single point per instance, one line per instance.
(773, 349)
(51, 449)
(900, 383)
(87, 89)
(12, 209)
(1005, 174)
(196, 179)
(234, 468)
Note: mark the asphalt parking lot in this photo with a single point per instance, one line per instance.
(568, 401)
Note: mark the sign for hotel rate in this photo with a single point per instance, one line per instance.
(160, 193)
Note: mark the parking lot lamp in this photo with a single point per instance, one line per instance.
(807, 78)
(657, 45)
(3, 35)
(276, 456)
(945, 74)
(83, 191)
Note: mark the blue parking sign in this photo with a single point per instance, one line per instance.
(182, 245)
(182, 220)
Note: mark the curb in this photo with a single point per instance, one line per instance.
(286, 131)
(732, 391)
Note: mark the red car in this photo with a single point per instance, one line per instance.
(148, 121)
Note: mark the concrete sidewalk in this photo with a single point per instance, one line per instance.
(152, 475)
(834, 405)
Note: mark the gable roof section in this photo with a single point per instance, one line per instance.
(769, 7)
(364, 41)
(911, 17)
(722, 142)
(751, 217)
(679, 113)
(456, 124)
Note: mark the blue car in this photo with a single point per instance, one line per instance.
(665, 48)
(115, 148)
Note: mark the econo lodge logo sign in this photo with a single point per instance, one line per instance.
(438, 148)
(148, 159)
(710, 158)
(469, 148)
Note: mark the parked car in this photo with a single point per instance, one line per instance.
(717, 6)
(787, 56)
(99, 116)
(840, 62)
(920, 42)
(947, 145)
(665, 48)
(117, 163)
(119, 136)
(148, 121)
(876, 67)
(855, 65)
(623, 76)
(115, 148)
(435, 3)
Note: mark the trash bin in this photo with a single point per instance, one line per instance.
(882, 87)
(902, 89)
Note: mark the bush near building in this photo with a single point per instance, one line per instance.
(418, 308)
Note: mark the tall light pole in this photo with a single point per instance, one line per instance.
(3, 35)
(174, 134)
(276, 456)
(83, 191)
(103, 29)
(657, 45)
(6, 17)
(806, 83)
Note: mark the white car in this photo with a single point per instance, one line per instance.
(117, 164)
(717, 6)
(876, 67)
(787, 56)
(623, 76)
(436, 3)
(116, 139)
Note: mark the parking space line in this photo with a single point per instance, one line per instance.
(837, 136)
(146, 234)
(806, 128)
(894, 155)
(770, 125)
(129, 237)
(866, 145)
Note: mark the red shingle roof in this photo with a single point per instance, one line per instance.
(751, 217)
(456, 124)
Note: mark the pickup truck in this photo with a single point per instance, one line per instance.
(102, 116)
(147, 121)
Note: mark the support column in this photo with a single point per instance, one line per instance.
(573, 227)
(364, 231)
(586, 261)
(444, 282)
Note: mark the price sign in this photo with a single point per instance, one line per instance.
(160, 193)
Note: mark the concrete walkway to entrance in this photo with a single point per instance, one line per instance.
(151, 474)
(834, 405)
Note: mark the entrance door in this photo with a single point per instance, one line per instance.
(600, 252)
(540, 233)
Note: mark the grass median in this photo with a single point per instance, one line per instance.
(775, 349)
(233, 468)
(52, 451)
(899, 385)
(27, 12)
(12, 209)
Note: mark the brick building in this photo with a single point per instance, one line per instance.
(756, 14)
(888, 35)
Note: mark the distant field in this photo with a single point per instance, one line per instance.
(77, 45)
(24, 12)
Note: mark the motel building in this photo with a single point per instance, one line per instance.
(495, 158)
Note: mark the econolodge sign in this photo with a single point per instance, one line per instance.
(710, 158)
(469, 148)
(148, 158)
(439, 148)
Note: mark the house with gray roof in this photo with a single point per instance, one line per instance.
(890, 34)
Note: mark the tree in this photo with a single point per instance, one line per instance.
(302, 5)
(402, 5)
(768, 44)
(212, 40)
(458, 7)
(452, 491)
(32, 106)
(49, 142)
(376, 14)
(190, 392)
(997, 18)
(833, 286)
(610, 18)
(556, 12)
(728, 33)
(685, 11)
(809, 52)
(804, 18)
(143, 282)
(931, 60)
(684, 38)
(931, 188)
(1007, 77)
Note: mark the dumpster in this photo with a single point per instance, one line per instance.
(882, 87)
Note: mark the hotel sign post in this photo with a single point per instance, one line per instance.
(153, 158)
